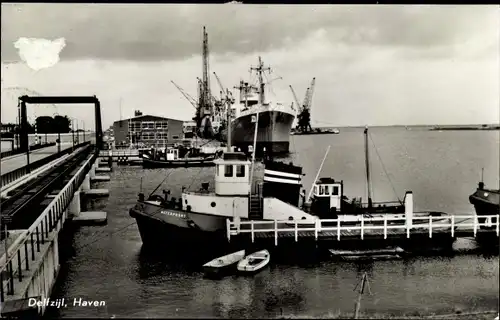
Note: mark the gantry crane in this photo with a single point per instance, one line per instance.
(304, 115)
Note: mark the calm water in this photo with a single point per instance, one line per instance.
(441, 168)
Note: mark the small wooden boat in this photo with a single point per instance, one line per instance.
(172, 160)
(221, 266)
(254, 262)
(374, 254)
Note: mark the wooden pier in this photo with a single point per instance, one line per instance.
(384, 228)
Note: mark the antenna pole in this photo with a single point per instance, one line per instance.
(254, 147)
(361, 291)
(228, 112)
(317, 174)
(367, 164)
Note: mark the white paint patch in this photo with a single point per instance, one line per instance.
(39, 53)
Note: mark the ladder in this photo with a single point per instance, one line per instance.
(255, 211)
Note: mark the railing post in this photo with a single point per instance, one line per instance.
(46, 227)
(316, 224)
(453, 226)
(276, 232)
(475, 225)
(362, 226)
(37, 240)
(42, 233)
(11, 279)
(338, 229)
(26, 255)
(430, 226)
(408, 229)
(2, 295)
(385, 226)
(19, 266)
(251, 231)
(296, 231)
(228, 230)
(32, 248)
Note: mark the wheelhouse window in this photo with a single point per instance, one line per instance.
(240, 171)
(228, 171)
(321, 190)
(335, 191)
(327, 190)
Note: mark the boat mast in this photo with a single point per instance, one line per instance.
(367, 165)
(260, 69)
(228, 115)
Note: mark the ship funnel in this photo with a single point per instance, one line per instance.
(282, 181)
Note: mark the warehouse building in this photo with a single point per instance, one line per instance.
(147, 130)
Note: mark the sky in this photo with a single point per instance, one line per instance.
(374, 65)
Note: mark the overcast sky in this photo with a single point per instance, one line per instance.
(375, 65)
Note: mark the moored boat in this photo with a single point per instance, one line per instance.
(171, 159)
(254, 262)
(329, 202)
(486, 202)
(275, 119)
(224, 265)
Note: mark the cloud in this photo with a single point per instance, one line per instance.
(165, 32)
(375, 65)
(39, 53)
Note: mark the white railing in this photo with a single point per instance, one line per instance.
(25, 247)
(119, 153)
(365, 225)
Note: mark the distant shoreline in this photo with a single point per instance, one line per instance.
(465, 128)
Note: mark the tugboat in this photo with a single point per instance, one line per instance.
(486, 203)
(199, 217)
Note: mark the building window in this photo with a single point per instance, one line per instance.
(158, 125)
(240, 171)
(149, 125)
(159, 136)
(164, 125)
(335, 191)
(228, 172)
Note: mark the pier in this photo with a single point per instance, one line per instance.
(386, 229)
(42, 191)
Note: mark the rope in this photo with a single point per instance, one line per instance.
(383, 168)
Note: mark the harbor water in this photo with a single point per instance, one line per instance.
(441, 168)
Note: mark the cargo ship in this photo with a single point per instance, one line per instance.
(274, 123)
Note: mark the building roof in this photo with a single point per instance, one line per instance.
(145, 116)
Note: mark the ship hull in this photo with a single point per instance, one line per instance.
(486, 203)
(174, 230)
(273, 131)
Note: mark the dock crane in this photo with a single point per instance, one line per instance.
(304, 115)
(296, 100)
(309, 94)
(186, 95)
(222, 90)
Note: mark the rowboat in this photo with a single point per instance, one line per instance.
(254, 262)
(221, 266)
(374, 254)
